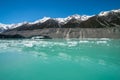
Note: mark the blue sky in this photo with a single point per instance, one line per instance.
(15, 11)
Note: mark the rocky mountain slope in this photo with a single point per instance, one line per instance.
(104, 25)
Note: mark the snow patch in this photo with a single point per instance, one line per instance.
(42, 20)
(105, 13)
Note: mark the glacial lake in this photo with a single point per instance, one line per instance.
(60, 59)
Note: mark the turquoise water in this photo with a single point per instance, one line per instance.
(60, 59)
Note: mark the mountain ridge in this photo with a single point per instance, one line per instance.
(103, 25)
(44, 19)
(60, 21)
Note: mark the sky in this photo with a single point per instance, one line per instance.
(16, 11)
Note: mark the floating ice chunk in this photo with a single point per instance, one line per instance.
(42, 55)
(59, 43)
(72, 43)
(85, 58)
(64, 56)
(83, 41)
(99, 42)
(104, 39)
(101, 62)
(28, 45)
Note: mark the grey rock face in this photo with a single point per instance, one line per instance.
(70, 33)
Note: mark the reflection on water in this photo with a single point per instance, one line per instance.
(59, 59)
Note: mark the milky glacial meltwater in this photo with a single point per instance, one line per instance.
(60, 59)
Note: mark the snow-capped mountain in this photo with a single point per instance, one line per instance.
(76, 16)
(103, 25)
(63, 20)
(106, 13)
(41, 20)
(103, 19)
(4, 27)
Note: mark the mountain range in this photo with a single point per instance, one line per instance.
(103, 20)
